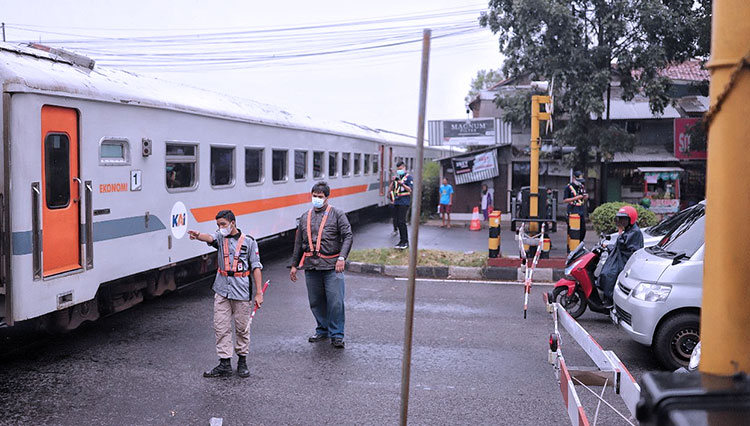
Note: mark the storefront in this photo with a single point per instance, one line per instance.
(661, 186)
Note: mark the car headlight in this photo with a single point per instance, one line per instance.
(695, 358)
(651, 292)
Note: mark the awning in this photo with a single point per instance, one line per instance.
(659, 169)
(645, 154)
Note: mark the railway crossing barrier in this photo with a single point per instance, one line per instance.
(609, 370)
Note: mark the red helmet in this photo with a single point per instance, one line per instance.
(629, 212)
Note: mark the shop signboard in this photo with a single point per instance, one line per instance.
(479, 131)
(660, 206)
(682, 140)
(476, 167)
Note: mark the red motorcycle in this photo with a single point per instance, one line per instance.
(576, 290)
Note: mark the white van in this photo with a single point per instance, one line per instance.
(659, 292)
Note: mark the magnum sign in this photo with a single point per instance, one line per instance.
(469, 132)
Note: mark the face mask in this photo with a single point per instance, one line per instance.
(401, 172)
(580, 180)
(224, 231)
(318, 202)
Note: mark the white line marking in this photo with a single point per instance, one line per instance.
(435, 280)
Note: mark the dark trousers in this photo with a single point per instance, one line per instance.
(325, 290)
(394, 217)
(401, 211)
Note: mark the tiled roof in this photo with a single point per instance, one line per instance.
(689, 70)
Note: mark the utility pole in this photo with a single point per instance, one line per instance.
(416, 211)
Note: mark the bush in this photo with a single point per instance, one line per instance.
(430, 188)
(603, 217)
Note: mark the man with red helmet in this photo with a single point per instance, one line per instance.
(629, 240)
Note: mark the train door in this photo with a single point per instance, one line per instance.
(381, 152)
(60, 201)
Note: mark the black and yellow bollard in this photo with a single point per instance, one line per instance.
(547, 245)
(574, 231)
(494, 241)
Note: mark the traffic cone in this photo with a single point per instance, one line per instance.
(475, 225)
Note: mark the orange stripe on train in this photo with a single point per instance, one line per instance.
(206, 214)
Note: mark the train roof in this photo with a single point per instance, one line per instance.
(40, 69)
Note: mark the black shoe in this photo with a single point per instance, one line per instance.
(402, 246)
(242, 370)
(337, 342)
(317, 337)
(224, 369)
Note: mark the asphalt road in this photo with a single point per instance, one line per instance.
(475, 361)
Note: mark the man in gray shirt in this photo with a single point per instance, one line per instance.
(323, 241)
(238, 258)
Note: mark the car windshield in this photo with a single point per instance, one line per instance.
(685, 239)
(667, 224)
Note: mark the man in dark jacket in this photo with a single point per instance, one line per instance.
(628, 242)
(322, 243)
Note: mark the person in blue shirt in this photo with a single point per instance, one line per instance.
(446, 201)
(401, 188)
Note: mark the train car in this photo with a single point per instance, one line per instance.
(103, 172)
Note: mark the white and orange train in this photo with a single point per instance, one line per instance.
(103, 171)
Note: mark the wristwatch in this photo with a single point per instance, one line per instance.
(342, 258)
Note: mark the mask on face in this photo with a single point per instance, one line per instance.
(401, 172)
(224, 231)
(580, 180)
(318, 202)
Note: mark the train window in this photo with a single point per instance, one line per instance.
(114, 152)
(333, 162)
(300, 165)
(222, 166)
(253, 165)
(367, 164)
(345, 159)
(181, 166)
(318, 164)
(375, 164)
(357, 164)
(279, 165)
(57, 170)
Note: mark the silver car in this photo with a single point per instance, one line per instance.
(659, 292)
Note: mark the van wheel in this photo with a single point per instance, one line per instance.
(675, 340)
(575, 304)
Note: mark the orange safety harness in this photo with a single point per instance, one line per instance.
(233, 271)
(316, 252)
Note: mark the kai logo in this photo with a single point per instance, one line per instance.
(179, 222)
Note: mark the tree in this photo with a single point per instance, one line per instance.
(484, 80)
(583, 44)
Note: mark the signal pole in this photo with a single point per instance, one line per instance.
(536, 117)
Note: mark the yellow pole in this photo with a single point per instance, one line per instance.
(534, 174)
(725, 316)
(536, 116)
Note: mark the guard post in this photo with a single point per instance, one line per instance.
(494, 240)
(574, 231)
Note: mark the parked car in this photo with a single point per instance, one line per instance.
(659, 292)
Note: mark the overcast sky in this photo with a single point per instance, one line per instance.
(282, 52)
